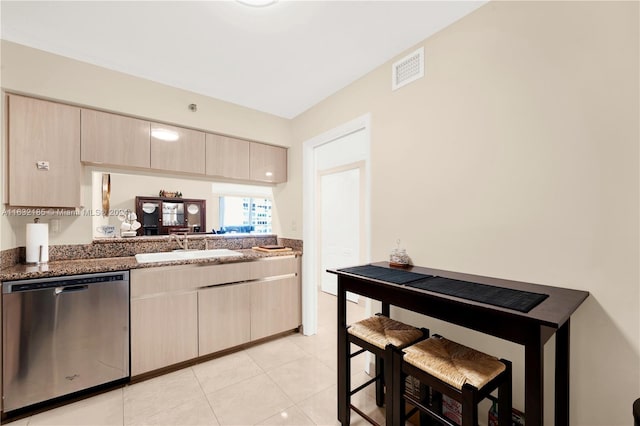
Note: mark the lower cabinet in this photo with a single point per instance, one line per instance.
(164, 331)
(181, 312)
(275, 306)
(224, 317)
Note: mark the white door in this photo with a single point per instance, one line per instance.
(340, 234)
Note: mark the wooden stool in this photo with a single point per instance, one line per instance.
(378, 335)
(464, 374)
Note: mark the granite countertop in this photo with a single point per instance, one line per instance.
(108, 264)
(192, 237)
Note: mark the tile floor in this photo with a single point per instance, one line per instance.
(289, 381)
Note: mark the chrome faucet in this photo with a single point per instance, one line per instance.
(184, 244)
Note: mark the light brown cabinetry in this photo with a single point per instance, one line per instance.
(115, 139)
(224, 317)
(267, 163)
(44, 153)
(227, 157)
(177, 149)
(164, 331)
(182, 312)
(275, 306)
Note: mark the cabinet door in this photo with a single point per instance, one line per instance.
(267, 163)
(223, 317)
(275, 306)
(44, 153)
(177, 149)
(115, 139)
(196, 215)
(227, 157)
(164, 331)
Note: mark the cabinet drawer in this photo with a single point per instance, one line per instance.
(165, 279)
(275, 266)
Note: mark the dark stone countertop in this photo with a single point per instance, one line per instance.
(109, 264)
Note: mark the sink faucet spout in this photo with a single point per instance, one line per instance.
(184, 243)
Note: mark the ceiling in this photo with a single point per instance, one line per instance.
(280, 59)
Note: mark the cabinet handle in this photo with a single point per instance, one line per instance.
(42, 165)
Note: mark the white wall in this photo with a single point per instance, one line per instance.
(517, 156)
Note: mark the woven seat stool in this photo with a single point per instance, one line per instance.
(446, 367)
(378, 335)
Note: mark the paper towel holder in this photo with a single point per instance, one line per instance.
(41, 249)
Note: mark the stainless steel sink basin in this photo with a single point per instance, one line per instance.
(185, 255)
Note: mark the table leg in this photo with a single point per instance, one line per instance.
(562, 375)
(344, 364)
(386, 311)
(534, 381)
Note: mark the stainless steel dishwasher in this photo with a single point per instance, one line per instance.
(61, 335)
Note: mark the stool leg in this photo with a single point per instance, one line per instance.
(397, 388)
(505, 397)
(425, 419)
(436, 403)
(380, 383)
(389, 384)
(469, 407)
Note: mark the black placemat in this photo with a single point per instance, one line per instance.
(518, 300)
(395, 276)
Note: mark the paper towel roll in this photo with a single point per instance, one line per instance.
(37, 235)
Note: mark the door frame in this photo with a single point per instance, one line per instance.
(309, 215)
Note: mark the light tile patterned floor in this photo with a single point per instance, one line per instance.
(289, 381)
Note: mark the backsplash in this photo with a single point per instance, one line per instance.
(119, 247)
(11, 257)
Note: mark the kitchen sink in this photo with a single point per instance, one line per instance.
(185, 255)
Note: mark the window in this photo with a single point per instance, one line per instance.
(245, 214)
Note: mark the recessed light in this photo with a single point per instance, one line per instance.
(257, 3)
(269, 174)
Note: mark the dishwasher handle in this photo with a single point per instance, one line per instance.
(70, 289)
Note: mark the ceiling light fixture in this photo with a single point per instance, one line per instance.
(257, 3)
(165, 135)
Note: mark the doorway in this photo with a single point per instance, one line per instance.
(335, 209)
(340, 204)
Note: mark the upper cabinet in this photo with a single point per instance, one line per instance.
(44, 153)
(114, 139)
(240, 159)
(267, 163)
(48, 141)
(177, 149)
(227, 157)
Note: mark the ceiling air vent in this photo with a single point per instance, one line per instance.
(407, 69)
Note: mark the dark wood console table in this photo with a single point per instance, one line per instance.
(531, 329)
